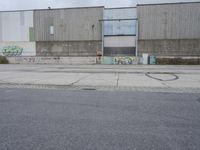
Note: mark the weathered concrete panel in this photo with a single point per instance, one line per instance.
(14, 26)
(80, 24)
(84, 48)
(17, 48)
(170, 47)
(169, 21)
(178, 60)
(53, 60)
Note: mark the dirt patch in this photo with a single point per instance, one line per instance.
(3, 60)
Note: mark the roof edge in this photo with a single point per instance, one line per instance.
(120, 7)
(175, 3)
(52, 9)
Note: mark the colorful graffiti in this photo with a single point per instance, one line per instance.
(128, 60)
(125, 60)
(12, 51)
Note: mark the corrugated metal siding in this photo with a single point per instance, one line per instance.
(14, 26)
(122, 27)
(69, 24)
(169, 21)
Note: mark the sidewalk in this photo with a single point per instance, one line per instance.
(186, 78)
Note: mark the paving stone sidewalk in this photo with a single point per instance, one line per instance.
(101, 77)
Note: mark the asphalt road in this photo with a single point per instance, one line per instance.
(32, 119)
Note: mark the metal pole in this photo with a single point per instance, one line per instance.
(102, 23)
(137, 38)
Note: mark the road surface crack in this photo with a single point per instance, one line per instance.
(117, 79)
(72, 84)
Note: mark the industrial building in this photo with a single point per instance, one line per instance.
(169, 29)
(90, 35)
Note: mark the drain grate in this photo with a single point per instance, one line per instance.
(89, 89)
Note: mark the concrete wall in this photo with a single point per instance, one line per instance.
(127, 60)
(16, 26)
(53, 60)
(17, 48)
(169, 21)
(76, 48)
(78, 24)
(170, 47)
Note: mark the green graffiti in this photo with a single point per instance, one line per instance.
(12, 51)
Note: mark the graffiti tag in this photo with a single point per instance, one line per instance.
(12, 51)
(123, 60)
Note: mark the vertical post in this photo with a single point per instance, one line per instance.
(102, 23)
(137, 26)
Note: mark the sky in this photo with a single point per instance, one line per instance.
(41, 4)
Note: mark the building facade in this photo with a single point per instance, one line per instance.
(117, 35)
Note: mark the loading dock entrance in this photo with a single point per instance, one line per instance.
(119, 35)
